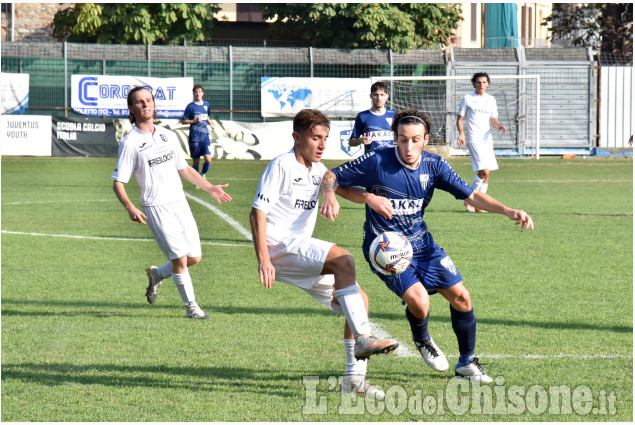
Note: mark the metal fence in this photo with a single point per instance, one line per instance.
(231, 75)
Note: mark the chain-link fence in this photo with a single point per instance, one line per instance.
(231, 75)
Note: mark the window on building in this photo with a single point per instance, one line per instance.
(473, 22)
(529, 28)
(248, 12)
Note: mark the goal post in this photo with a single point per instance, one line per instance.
(517, 99)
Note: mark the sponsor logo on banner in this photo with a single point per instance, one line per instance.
(336, 97)
(105, 95)
(25, 135)
(350, 150)
(14, 92)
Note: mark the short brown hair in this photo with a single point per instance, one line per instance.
(379, 85)
(197, 86)
(306, 119)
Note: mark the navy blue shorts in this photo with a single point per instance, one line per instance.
(434, 269)
(199, 144)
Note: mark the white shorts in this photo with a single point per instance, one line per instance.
(482, 154)
(299, 262)
(174, 229)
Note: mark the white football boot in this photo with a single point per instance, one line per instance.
(195, 312)
(432, 355)
(472, 371)
(359, 385)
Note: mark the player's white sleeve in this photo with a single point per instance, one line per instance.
(272, 185)
(125, 163)
(463, 106)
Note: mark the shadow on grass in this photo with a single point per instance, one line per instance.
(239, 380)
(109, 309)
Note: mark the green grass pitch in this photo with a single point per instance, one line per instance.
(80, 343)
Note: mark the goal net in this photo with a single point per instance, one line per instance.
(517, 99)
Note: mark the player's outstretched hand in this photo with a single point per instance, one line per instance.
(267, 274)
(219, 194)
(522, 218)
(380, 205)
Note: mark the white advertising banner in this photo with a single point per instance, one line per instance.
(336, 97)
(105, 95)
(14, 93)
(25, 135)
(240, 140)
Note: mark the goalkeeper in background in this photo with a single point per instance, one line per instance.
(479, 109)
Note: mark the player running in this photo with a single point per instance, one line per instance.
(154, 156)
(282, 220)
(399, 185)
(479, 109)
(197, 115)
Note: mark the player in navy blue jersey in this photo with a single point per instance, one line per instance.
(372, 127)
(197, 115)
(399, 183)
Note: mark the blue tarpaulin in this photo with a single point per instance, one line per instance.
(502, 25)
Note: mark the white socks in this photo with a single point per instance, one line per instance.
(165, 270)
(479, 185)
(353, 366)
(354, 309)
(184, 285)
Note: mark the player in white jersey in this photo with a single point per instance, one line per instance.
(479, 110)
(154, 156)
(282, 219)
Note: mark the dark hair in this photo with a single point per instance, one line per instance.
(479, 75)
(131, 117)
(198, 86)
(306, 119)
(410, 116)
(379, 85)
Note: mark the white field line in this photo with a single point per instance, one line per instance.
(109, 238)
(55, 201)
(404, 351)
(377, 330)
(236, 225)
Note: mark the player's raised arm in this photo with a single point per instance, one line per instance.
(485, 202)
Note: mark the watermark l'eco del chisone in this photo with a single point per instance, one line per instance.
(463, 397)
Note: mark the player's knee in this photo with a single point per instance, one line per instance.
(191, 261)
(462, 302)
(419, 308)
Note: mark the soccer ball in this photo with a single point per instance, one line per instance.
(390, 253)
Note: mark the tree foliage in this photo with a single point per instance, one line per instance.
(396, 26)
(604, 26)
(135, 23)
